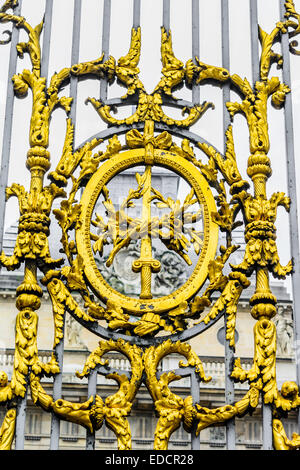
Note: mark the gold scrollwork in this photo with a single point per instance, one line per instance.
(117, 407)
(208, 417)
(168, 313)
(150, 106)
(171, 408)
(79, 413)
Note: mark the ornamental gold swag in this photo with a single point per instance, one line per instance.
(136, 322)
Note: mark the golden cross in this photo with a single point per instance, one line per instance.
(146, 264)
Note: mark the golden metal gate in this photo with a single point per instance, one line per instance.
(148, 326)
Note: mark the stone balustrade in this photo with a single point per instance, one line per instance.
(213, 367)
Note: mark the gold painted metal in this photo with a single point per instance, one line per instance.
(7, 430)
(146, 264)
(150, 106)
(117, 407)
(91, 171)
(176, 241)
(280, 439)
(79, 413)
(171, 408)
(206, 416)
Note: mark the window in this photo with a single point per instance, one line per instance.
(253, 433)
(106, 432)
(33, 424)
(148, 427)
(70, 429)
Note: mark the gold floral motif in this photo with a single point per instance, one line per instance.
(173, 69)
(228, 165)
(26, 350)
(263, 372)
(228, 302)
(119, 229)
(32, 240)
(264, 360)
(70, 159)
(35, 205)
(295, 25)
(260, 215)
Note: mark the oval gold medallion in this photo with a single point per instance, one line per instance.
(146, 228)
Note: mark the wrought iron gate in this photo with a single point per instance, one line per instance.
(146, 328)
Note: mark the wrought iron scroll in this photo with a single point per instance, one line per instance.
(132, 326)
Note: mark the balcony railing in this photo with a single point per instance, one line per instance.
(213, 366)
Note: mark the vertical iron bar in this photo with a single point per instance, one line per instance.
(225, 63)
(57, 389)
(47, 38)
(92, 390)
(75, 56)
(195, 389)
(105, 44)
(229, 353)
(254, 40)
(20, 421)
(166, 14)
(59, 350)
(136, 14)
(57, 381)
(8, 121)
(195, 45)
(229, 393)
(6, 148)
(292, 192)
(266, 409)
(267, 427)
(136, 22)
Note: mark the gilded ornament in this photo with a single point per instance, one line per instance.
(200, 72)
(171, 408)
(207, 417)
(149, 106)
(63, 301)
(176, 240)
(280, 439)
(260, 234)
(117, 407)
(26, 350)
(9, 4)
(5, 388)
(7, 430)
(79, 413)
(147, 316)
